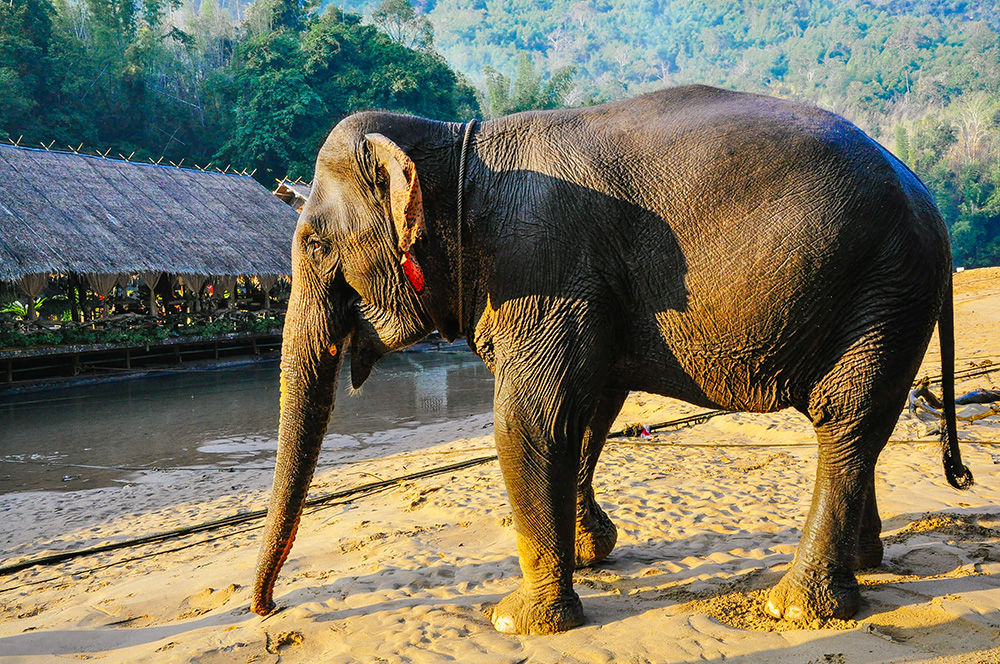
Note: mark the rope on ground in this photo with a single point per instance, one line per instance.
(189, 545)
(688, 421)
(907, 441)
(964, 374)
(239, 518)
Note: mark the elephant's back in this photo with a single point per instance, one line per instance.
(714, 163)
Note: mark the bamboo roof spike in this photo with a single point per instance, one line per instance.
(294, 193)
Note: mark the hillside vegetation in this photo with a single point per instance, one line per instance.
(193, 84)
(259, 85)
(921, 76)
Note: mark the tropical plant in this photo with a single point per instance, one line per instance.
(23, 309)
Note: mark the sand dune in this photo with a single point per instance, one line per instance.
(708, 516)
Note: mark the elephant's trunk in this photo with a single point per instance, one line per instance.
(311, 359)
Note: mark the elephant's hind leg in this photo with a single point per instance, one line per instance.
(853, 410)
(821, 582)
(596, 535)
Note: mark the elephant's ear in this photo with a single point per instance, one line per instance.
(405, 199)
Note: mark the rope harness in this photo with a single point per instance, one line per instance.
(460, 218)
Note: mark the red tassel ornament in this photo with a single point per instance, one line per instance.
(412, 271)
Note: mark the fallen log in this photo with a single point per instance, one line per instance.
(921, 398)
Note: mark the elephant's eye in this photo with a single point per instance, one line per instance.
(316, 247)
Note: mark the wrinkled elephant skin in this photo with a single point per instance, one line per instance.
(734, 251)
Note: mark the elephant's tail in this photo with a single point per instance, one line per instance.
(958, 474)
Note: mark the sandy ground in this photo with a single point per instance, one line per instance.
(708, 516)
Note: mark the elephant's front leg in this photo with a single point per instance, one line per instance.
(538, 442)
(596, 535)
(870, 548)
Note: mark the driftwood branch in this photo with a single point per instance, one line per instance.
(921, 398)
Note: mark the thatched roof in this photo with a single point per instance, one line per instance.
(64, 212)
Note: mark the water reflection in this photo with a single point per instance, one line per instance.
(218, 417)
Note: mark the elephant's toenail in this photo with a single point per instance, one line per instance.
(504, 624)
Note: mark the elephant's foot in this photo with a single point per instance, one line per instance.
(595, 534)
(802, 597)
(523, 612)
(869, 552)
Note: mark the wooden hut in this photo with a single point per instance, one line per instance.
(293, 193)
(74, 213)
(102, 222)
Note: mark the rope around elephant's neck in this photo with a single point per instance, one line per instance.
(460, 214)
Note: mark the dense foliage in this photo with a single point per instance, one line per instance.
(130, 314)
(921, 76)
(257, 85)
(186, 81)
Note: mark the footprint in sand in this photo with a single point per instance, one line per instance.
(208, 599)
(929, 561)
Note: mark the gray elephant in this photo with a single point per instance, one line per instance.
(731, 250)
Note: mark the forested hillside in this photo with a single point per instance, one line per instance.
(192, 84)
(257, 85)
(922, 76)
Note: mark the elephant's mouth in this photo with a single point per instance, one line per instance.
(366, 350)
(371, 341)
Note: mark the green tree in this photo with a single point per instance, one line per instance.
(275, 107)
(902, 144)
(528, 91)
(25, 37)
(399, 20)
(289, 89)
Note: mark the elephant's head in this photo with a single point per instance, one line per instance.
(355, 279)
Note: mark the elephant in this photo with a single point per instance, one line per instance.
(731, 250)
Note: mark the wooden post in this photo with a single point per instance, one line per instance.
(74, 298)
(10, 371)
(81, 294)
(128, 358)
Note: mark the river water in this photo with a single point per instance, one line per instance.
(96, 435)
